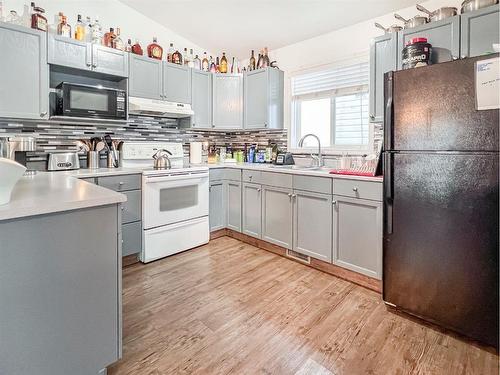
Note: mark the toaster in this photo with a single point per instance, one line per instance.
(63, 161)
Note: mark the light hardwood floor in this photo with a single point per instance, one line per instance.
(231, 308)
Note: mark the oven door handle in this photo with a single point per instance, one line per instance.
(193, 176)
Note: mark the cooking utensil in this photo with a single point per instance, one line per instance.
(472, 5)
(438, 14)
(390, 29)
(82, 146)
(111, 148)
(100, 146)
(161, 160)
(412, 22)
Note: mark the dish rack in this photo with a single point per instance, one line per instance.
(358, 166)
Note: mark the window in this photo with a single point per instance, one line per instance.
(332, 104)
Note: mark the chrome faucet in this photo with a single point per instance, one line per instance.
(317, 160)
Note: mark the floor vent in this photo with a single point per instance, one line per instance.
(298, 256)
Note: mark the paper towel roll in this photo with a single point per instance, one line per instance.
(195, 152)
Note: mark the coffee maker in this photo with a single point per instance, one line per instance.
(16, 146)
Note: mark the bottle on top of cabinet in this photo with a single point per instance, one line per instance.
(191, 59)
(265, 62)
(64, 29)
(117, 41)
(109, 37)
(96, 32)
(38, 20)
(197, 63)
(80, 29)
(205, 66)
(223, 63)
(155, 51)
(177, 57)
(251, 65)
(217, 65)
(170, 52)
(128, 46)
(25, 18)
(88, 29)
(137, 49)
(185, 56)
(260, 61)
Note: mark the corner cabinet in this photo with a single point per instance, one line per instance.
(264, 99)
(383, 59)
(24, 73)
(479, 31)
(227, 101)
(201, 90)
(145, 77)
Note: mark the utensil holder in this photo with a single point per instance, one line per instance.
(111, 161)
(93, 160)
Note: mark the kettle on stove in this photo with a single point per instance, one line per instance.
(161, 160)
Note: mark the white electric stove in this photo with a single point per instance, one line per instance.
(174, 201)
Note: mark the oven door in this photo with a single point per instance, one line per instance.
(174, 198)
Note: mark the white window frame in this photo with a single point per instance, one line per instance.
(294, 131)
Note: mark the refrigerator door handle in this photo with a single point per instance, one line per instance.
(388, 190)
(388, 111)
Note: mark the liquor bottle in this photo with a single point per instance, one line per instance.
(38, 20)
(88, 29)
(212, 68)
(266, 61)
(260, 61)
(205, 66)
(177, 57)
(117, 41)
(64, 28)
(197, 63)
(191, 59)
(251, 66)
(185, 56)
(96, 32)
(217, 65)
(109, 37)
(235, 66)
(128, 47)
(170, 52)
(25, 18)
(223, 63)
(80, 29)
(155, 51)
(137, 49)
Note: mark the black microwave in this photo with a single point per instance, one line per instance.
(79, 100)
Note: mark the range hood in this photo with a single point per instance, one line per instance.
(158, 108)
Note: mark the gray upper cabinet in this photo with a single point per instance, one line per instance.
(176, 83)
(264, 99)
(227, 101)
(444, 36)
(233, 205)
(145, 77)
(24, 72)
(312, 215)
(359, 253)
(383, 58)
(252, 211)
(277, 216)
(201, 90)
(217, 216)
(109, 61)
(479, 31)
(69, 52)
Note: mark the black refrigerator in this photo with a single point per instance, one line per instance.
(441, 205)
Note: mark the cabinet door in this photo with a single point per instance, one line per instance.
(109, 61)
(24, 73)
(131, 238)
(256, 99)
(227, 101)
(252, 210)
(312, 223)
(444, 36)
(383, 58)
(217, 211)
(69, 52)
(201, 90)
(176, 83)
(479, 31)
(145, 77)
(277, 216)
(233, 205)
(357, 235)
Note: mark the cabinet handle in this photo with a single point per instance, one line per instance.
(122, 208)
(258, 190)
(372, 117)
(94, 65)
(290, 195)
(334, 202)
(89, 65)
(355, 189)
(250, 177)
(121, 183)
(43, 114)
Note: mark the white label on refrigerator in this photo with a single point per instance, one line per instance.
(488, 84)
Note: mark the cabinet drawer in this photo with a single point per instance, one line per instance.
(216, 174)
(358, 189)
(251, 176)
(315, 184)
(131, 238)
(121, 183)
(131, 209)
(276, 179)
(232, 174)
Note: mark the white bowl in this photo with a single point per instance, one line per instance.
(10, 173)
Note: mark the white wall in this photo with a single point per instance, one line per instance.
(111, 13)
(339, 46)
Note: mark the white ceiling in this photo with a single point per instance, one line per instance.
(238, 26)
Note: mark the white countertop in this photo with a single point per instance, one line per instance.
(48, 192)
(100, 172)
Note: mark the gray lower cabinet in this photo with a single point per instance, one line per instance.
(479, 31)
(131, 238)
(227, 101)
(132, 208)
(264, 99)
(357, 235)
(145, 77)
(312, 224)
(217, 207)
(251, 196)
(233, 205)
(383, 58)
(176, 83)
(444, 36)
(277, 216)
(201, 91)
(24, 73)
